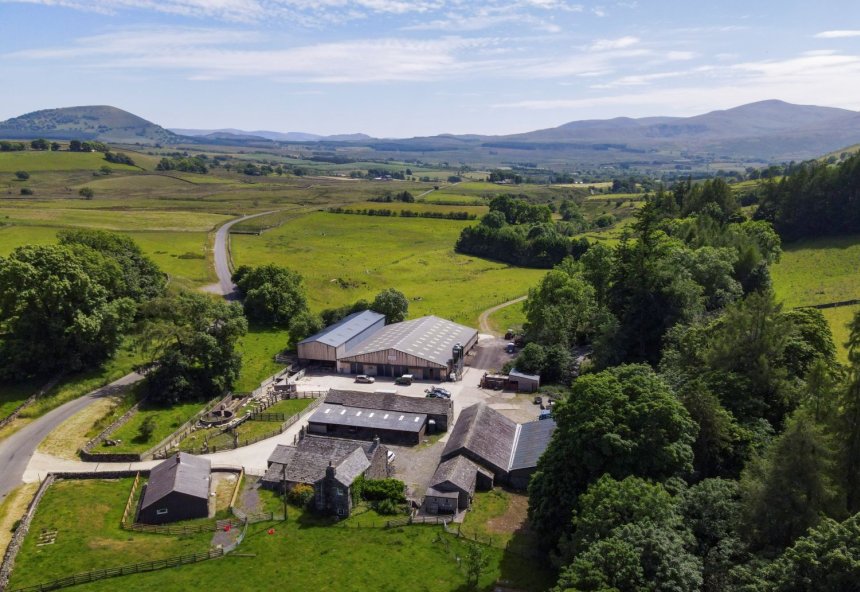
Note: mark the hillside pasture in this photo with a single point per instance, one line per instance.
(34, 161)
(818, 271)
(112, 219)
(345, 258)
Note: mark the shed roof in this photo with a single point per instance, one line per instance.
(486, 433)
(306, 462)
(433, 492)
(182, 473)
(361, 417)
(345, 329)
(532, 439)
(430, 338)
(389, 402)
(517, 374)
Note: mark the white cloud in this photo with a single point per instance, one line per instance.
(842, 34)
(610, 44)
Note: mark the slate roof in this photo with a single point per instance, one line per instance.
(350, 468)
(459, 472)
(306, 462)
(430, 338)
(532, 440)
(360, 417)
(345, 329)
(182, 473)
(486, 433)
(432, 491)
(389, 402)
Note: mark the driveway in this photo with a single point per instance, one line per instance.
(225, 286)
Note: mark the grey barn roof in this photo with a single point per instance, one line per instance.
(486, 433)
(306, 462)
(389, 402)
(350, 468)
(360, 417)
(514, 373)
(532, 440)
(182, 473)
(345, 329)
(459, 472)
(429, 338)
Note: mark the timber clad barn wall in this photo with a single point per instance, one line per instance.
(178, 489)
(333, 342)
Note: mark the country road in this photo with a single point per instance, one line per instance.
(225, 286)
(17, 450)
(484, 319)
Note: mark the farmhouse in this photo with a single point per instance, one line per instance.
(330, 466)
(510, 451)
(178, 489)
(429, 348)
(332, 343)
(453, 485)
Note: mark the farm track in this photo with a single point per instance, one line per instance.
(484, 319)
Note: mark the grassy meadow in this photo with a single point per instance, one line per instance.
(166, 421)
(818, 271)
(34, 162)
(344, 258)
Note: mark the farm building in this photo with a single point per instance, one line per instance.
(330, 466)
(429, 348)
(332, 343)
(522, 382)
(178, 489)
(453, 485)
(439, 412)
(508, 449)
(365, 424)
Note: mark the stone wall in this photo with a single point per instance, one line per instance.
(86, 453)
(21, 533)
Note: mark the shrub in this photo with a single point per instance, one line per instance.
(383, 489)
(387, 507)
(26, 191)
(22, 175)
(86, 192)
(301, 495)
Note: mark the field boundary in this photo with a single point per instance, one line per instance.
(29, 401)
(88, 455)
(21, 533)
(162, 447)
(827, 305)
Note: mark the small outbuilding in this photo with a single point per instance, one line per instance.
(453, 486)
(178, 489)
(522, 382)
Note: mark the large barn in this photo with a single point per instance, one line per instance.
(178, 489)
(507, 449)
(332, 343)
(428, 348)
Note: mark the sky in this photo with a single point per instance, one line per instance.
(403, 68)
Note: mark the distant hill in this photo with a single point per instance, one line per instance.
(766, 129)
(232, 134)
(99, 122)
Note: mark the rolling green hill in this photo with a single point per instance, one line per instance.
(100, 122)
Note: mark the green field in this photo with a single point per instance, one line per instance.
(818, 271)
(838, 319)
(345, 258)
(259, 347)
(86, 515)
(113, 219)
(510, 317)
(167, 421)
(32, 162)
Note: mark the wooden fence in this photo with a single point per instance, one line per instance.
(177, 530)
(165, 448)
(112, 572)
(129, 504)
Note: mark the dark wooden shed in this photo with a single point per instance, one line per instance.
(178, 489)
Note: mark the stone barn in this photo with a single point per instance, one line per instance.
(453, 486)
(178, 489)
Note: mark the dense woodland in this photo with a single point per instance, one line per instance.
(714, 441)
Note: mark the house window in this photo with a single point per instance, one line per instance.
(339, 491)
(161, 512)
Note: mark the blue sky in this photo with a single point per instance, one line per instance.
(399, 68)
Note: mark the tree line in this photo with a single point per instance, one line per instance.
(713, 442)
(389, 213)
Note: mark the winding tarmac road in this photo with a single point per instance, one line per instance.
(225, 286)
(17, 450)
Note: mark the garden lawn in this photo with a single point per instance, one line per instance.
(818, 271)
(167, 420)
(307, 553)
(345, 258)
(86, 515)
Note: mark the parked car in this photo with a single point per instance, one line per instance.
(441, 391)
(391, 457)
(406, 379)
(538, 400)
(511, 348)
(364, 378)
(545, 414)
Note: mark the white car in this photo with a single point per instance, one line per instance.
(364, 378)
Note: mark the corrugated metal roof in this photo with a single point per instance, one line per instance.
(345, 329)
(429, 338)
(368, 418)
(517, 374)
(389, 402)
(532, 440)
(183, 473)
